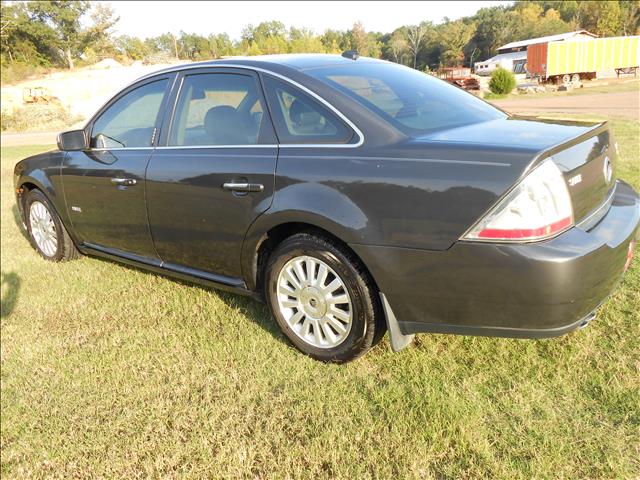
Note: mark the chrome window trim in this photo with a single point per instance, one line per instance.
(115, 149)
(197, 147)
(268, 72)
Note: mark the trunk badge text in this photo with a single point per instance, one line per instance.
(76, 209)
(575, 180)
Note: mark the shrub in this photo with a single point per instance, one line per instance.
(502, 81)
(15, 72)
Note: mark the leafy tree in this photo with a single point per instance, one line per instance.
(490, 32)
(62, 19)
(568, 9)
(10, 32)
(366, 44)
(57, 33)
(263, 30)
(551, 23)
(630, 13)
(397, 46)
(167, 44)
(132, 47)
(193, 47)
(266, 38)
(415, 38)
(24, 40)
(603, 18)
(302, 40)
(220, 45)
(453, 37)
(98, 36)
(335, 41)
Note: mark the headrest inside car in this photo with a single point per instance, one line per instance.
(224, 126)
(303, 115)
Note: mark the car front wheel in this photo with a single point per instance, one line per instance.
(323, 299)
(46, 232)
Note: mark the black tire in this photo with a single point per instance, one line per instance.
(368, 325)
(65, 249)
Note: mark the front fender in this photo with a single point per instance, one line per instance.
(43, 172)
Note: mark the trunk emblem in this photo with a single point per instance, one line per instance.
(575, 180)
(607, 169)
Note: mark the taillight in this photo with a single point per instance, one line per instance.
(538, 207)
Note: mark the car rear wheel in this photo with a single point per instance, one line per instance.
(323, 299)
(46, 232)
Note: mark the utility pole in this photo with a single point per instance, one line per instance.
(175, 45)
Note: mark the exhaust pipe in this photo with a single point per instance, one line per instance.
(586, 320)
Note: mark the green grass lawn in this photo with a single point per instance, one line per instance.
(112, 372)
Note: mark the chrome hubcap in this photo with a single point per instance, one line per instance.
(43, 229)
(314, 302)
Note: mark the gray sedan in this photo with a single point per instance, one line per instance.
(355, 196)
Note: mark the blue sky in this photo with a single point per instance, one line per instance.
(145, 19)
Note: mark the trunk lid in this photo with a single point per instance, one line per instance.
(585, 152)
(588, 165)
(525, 133)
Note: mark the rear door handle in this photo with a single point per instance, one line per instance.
(124, 181)
(243, 187)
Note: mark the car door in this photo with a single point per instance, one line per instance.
(214, 173)
(104, 185)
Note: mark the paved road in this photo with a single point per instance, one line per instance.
(615, 104)
(28, 138)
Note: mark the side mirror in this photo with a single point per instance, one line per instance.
(72, 140)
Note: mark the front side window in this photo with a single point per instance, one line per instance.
(129, 122)
(412, 101)
(217, 109)
(300, 119)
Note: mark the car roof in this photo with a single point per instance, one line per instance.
(299, 61)
(294, 61)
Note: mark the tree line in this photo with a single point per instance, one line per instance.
(68, 33)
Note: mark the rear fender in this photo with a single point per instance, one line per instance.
(317, 205)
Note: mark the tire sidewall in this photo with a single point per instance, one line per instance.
(36, 196)
(356, 288)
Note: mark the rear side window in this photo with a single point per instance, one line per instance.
(129, 122)
(300, 119)
(413, 102)
(217, 109)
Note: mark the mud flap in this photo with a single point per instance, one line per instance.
(398, 339)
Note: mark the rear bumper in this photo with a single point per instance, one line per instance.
(533, 290)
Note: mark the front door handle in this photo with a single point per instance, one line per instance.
(243, 187)
(124, 181)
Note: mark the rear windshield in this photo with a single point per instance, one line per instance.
(414, 102)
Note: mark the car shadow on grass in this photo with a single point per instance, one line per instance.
(10, 284)
(252, 309)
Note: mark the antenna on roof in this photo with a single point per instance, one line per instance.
(351, 54)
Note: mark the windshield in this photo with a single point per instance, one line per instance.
(414, 102)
